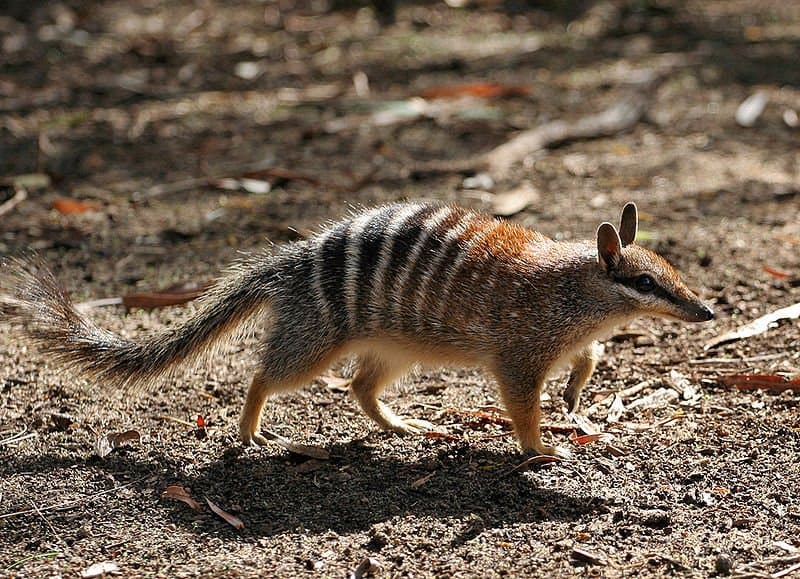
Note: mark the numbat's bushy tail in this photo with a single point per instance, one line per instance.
(395, 285)
(40, 304)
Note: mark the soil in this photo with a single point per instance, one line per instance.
(138, 109)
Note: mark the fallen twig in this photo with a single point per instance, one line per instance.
(498, 161)
(615, 119)
(482, 416)
(18, 437)
(755, 327)
(50, 526)
(20, 195)
(315, 452)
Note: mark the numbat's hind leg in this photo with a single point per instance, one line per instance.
(375, 373)
(280, 373)
(261, 388)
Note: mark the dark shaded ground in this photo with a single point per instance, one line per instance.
(115, 100)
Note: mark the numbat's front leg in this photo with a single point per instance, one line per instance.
(582, 367)
(522, 398)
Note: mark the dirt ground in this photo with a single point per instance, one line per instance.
(147, 118)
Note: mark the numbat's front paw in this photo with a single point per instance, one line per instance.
(547, 450)
(413, 426)
(252, 439)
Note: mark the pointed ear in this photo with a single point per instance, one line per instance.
(628, 224)
(609, 246)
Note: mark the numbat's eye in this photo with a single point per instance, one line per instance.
(645, 284)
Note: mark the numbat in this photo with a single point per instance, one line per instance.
(395, 285)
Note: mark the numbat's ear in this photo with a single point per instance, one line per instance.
(609, 247)
(628, 224)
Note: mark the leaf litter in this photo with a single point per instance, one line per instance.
(232, 520)
(104, 445)
(315, 452)
(179, 493)
(761, 382)
(757, 326)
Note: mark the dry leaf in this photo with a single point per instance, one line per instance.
(616, 409)
(256, 186)
(581, 554)
(20, 195)
(538, 459)
(100, 570)
(102, 447)
(516, 200)
(751, 108)
(777, 273)
(421, 481)
(233, 521)
(30, 181)
(760, 382)
(316, 452)
(171, 296)
(105, 444)
(788, 547)
(756, 327)
(657, 399)
(587, 438)
(558, 428)
(179, 493)
(644, 427)
(682, 385)
(485, 90)
(440, 435)
(369, 566)
(615, 450)
(583, 422)
(67, 206)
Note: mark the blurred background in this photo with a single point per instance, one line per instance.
(175, 123)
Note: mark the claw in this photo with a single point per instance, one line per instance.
(253, 439)
(413, 426)
(572, 398)
(547, 450)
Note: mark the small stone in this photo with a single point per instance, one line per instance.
(247, 70)
(724, 564)
(751, 108)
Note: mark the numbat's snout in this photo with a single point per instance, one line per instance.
(394, 285)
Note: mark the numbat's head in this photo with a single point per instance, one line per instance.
(644, 280)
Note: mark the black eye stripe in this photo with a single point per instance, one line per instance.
(631, 281)
(658, 291)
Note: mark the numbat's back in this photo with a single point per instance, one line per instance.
(395, 285)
